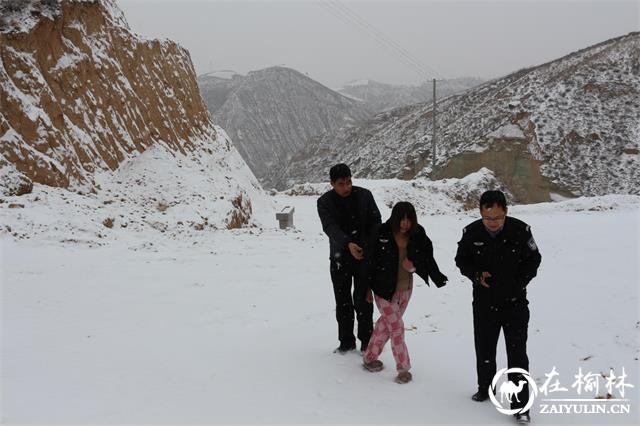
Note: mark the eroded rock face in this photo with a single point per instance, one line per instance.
(90, 107)
(79, 92)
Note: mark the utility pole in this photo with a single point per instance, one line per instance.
(433, 142)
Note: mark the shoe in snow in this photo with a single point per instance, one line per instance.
(343, 349)
(373, 366)
(480, 396)
(403, 377)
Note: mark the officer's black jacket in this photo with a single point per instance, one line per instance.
(382, 257)
(512, 258)
(368, 219)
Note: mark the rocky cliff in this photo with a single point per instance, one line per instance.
(80, 93)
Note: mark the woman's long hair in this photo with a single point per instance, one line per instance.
(401, 210)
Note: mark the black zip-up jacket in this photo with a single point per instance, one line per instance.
(329, 212)
(382, 259)
(512, 258)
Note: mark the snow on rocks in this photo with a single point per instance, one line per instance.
(158, 191)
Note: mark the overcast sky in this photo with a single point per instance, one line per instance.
(402, 42)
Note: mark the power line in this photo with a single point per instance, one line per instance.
(336, 11)
(349, 16)
(414, 58)
(392, 43)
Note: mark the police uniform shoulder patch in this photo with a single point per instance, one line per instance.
(532, 244)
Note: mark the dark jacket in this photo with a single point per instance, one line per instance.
(512, 258)
(368, 219)
(382, 259)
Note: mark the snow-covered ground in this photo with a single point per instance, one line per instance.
(238, 326)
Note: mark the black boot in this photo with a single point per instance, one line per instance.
(344, 348)
(480, 395)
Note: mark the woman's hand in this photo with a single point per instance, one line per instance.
(408, 265)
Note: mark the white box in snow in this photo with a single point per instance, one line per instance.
(285, 217)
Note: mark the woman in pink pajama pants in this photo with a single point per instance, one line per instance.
(398, 248)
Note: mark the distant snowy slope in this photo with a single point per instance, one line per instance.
(566, 127)
(380, 97)
(273, 112)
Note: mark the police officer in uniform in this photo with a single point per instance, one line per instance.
(349, 214)
(500, 257)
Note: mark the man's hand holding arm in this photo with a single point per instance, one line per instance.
(356, 251)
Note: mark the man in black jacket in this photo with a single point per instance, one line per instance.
(499, 255)
(348, 214)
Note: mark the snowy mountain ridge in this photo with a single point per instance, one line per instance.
(567, 127)
(273, 112)
(379, 97)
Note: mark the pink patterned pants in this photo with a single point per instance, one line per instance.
(390, 326)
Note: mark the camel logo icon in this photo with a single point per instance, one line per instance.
(509, 390)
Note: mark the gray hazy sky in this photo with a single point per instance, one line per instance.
(402, 42)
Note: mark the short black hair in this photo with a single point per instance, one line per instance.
(492, 198)
(339, 171)
(401, 210)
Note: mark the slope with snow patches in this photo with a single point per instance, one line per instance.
(163, 192)
(159, 191)
(569, 126)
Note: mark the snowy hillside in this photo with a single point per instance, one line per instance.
(274, 112)
(430, 197)
(159, 191)
(568, 127)
(238, 326)
(164, 193)
(145, 281)
(90, 107)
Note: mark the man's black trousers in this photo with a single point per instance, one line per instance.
(345, 275)
(513, 319)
